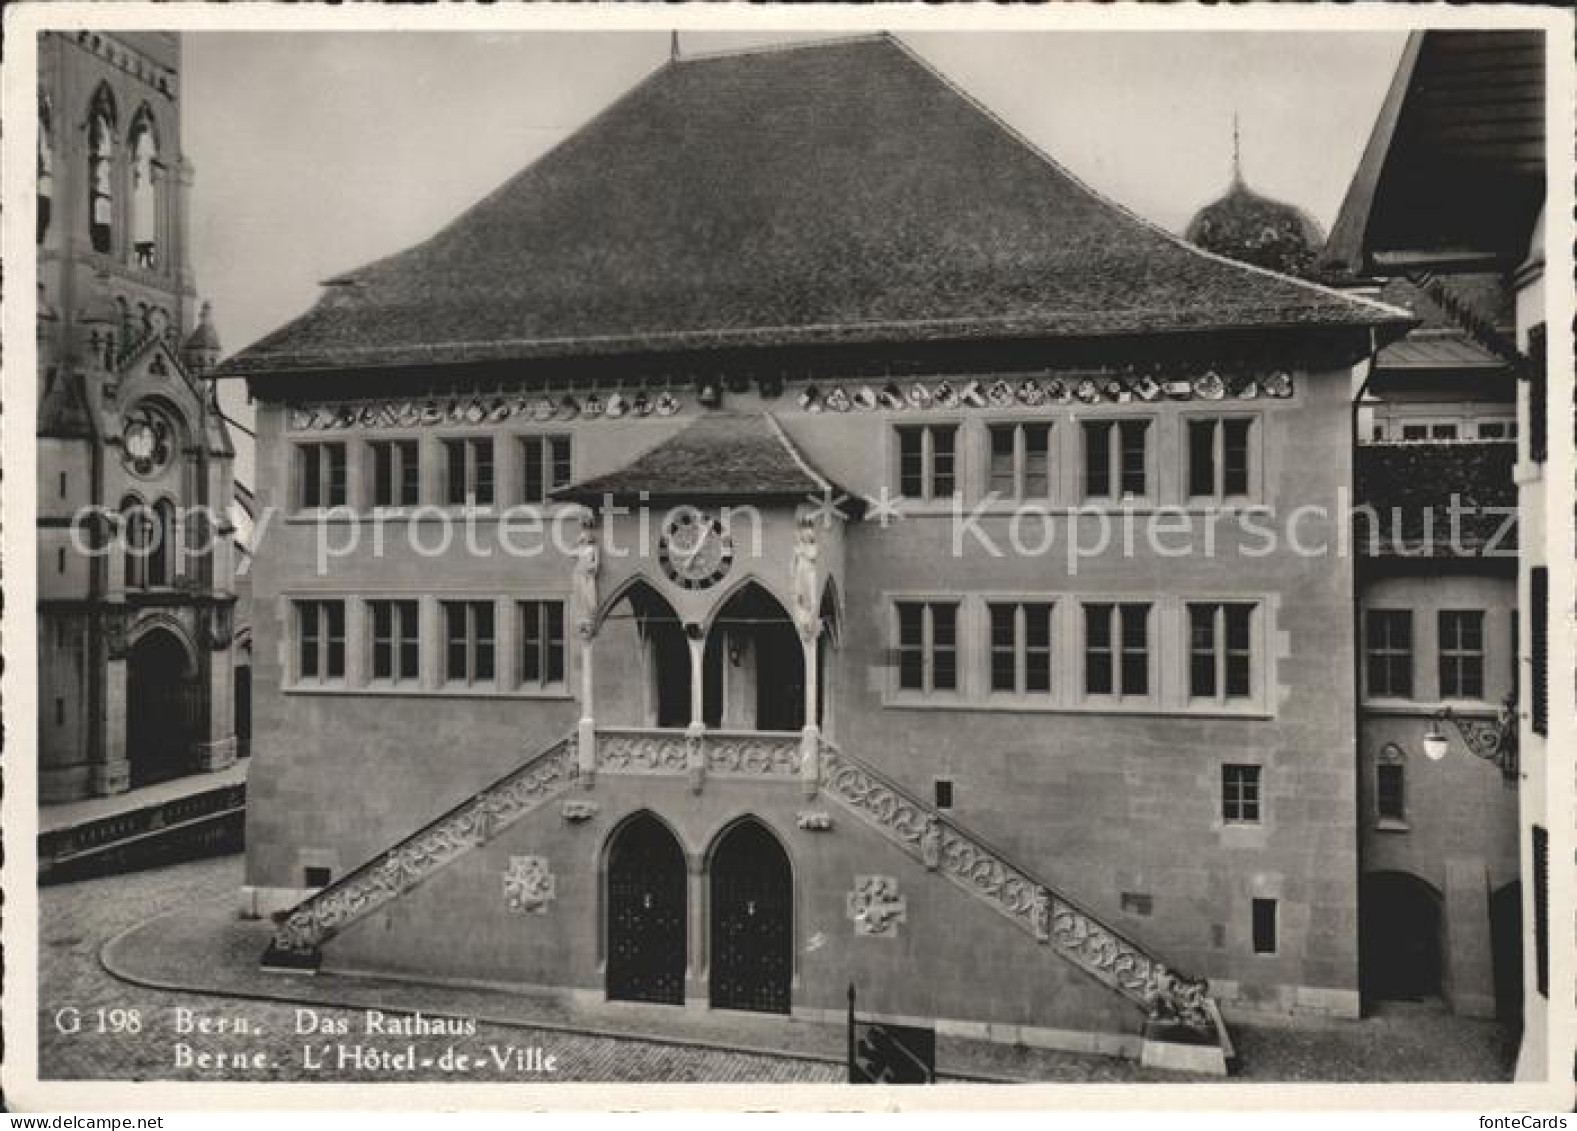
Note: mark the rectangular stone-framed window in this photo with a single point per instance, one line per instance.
(470, 641)
(394, 630)
(546, 464)
(1019, 454)
(1221, 650)
(1117, 649)
(1390, 791)
(1461, 646)
(927, 461)
(396, 472)
(1538, 394)
(1539, 648)
(1240, 794)
(320, 641)
(1541, 909)
(1264, 926)
(468, 471)
(1116, 459)
(942, 789)
(1221, 461)
(541, 644)
(1020, 647)
(1388, 653)
(926, 633)
(321, 475)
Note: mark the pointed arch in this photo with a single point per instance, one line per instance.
(103, 119)
(831, 612)
(735, 589)
(662, 662)
(136, 522)
(753, 665)
(750, 879)
(645, 878)
(143, 143)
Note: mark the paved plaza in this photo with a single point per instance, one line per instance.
(176, 927)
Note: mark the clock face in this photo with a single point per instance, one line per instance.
(695, 551)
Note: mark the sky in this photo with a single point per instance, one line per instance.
(316, 152)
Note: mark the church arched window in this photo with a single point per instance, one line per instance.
(161, 554)
(101, 170)
(136, 538)
(144, 198)
(46, 164)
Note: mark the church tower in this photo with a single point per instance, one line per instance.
(135, 475)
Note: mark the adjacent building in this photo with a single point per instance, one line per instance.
(675, 560)
(137, 610)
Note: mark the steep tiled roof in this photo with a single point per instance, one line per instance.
(837, 192)
(1406, 482)
(719, 456)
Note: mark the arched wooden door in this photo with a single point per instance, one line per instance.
(752, 917)
(646, 914)
(158, 709)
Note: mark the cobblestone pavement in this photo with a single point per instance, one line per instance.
(1400, 1043)
(76, 919)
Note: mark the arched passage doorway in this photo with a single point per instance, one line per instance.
(642, 644)
(1399, 944)
(158, 708)
(646, 913)
(1505, 936)
(754, 665)
(752, 917)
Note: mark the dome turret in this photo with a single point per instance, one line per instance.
(1251, 228)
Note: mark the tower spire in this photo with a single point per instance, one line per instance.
(1237, 152)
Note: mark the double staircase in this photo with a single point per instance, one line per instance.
(1171, 1001)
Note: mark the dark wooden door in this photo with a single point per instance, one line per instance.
(1399, 940)
(646, 914)
(159, 709)
(752, 914)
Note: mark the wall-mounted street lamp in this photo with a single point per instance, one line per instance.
(1493, 740)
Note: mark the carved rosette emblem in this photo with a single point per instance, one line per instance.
(875, 906)
(528, 885)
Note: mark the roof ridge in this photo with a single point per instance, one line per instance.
(780, 48)
(1003, 125)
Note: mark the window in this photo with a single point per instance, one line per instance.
(1020, 460)
(101, 171)
(1538, 396)
(396, 641)
(541, 643)
(1497, 430)
(468, 636)
(163, 535)
(927, 461)
(545, 466)
(1388, 639)
(396, 473)
(927, 646)
(1390, 791)
(46, 164)
(1240, 794)
(470, 471)
(317, 876)
(144, 205)
(944, 793)
(320, 636)
(1218, 458)
(1264, 926)
(1539, 648)
(1021, 647)
(1115, 469)
(1415, 432)
(1541, 909)
(137, 532)
(1461, 655)
(60, 711)
(1117, 649)
(1221, 650)
(320, 475)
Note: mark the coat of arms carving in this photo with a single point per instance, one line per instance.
(529, 886)
(876, 907)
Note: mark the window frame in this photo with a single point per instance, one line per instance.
(1273, 906)
(399, 471)
(927, 691)
(1391, 653)
(1253, 473)
(1020, 647)
(1018, 430)
(928, 474)
(1459, 658)
(1222, 653)
(544, 647)
(398, 640)
(322, 475)
(471, 642)
(1118, 427)
(546, 463)
(1383, 815)
(324, 641)
(1236, 793)
(470, 446)
(1116, 650)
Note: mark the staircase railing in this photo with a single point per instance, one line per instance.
(944, 846)
(390, 874)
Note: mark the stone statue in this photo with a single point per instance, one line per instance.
(803, 577)
(588, 562)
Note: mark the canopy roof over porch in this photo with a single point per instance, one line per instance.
(717, 458)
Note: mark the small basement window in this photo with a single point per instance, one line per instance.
(317, 876)
(1264, 926)
(944, 793)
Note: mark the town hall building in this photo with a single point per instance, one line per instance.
(677, 569)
